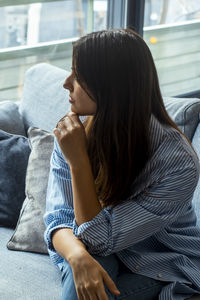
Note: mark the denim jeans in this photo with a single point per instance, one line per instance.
(131, 286)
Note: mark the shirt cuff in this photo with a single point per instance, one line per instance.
(96, 234)
(57, 219)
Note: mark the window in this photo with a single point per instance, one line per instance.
(172, 32)
(35, 32)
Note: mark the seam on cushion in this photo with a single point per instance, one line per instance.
(185, 111)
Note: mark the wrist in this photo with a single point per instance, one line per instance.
(77, 256)
(80, 162)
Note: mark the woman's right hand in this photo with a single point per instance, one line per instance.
(89, 278)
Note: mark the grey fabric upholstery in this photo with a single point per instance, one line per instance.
(44, 99)
(26, 276)
(14, 154)
(29, 232)
(184, 112)
(10, 119)
(196, 196)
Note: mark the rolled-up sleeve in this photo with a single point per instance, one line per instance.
(118, 228)
(59, 201)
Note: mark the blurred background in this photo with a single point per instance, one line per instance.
(43, 31)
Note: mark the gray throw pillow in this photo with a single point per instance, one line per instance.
(196, 195)
(28, 235)
(10, 119)
(14, 154)
(39, 104)
(184, 112)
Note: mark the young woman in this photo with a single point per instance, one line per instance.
(120, 224)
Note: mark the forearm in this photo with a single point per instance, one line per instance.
(66, 244)
(86, 204)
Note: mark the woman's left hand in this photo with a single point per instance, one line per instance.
(70, 134)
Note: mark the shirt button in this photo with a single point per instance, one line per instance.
(159, 275)
(137, 267)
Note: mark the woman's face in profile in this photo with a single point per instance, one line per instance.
(81, 103)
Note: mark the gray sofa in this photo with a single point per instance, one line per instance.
(32, 276)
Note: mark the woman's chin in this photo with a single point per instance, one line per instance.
(73, 109)
(76, 111)
(81, 112)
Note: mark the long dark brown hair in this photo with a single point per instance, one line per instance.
(116, 69)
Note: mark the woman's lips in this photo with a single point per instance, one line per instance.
(71, 100)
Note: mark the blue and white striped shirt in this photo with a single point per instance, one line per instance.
(154, 232)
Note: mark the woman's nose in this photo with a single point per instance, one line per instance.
(67, 84)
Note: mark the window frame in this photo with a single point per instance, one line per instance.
(135, 20)
(135, 15)
(23, 2)
(116, 13)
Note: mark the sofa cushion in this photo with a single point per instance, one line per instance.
(196, 196)
(14, 154)
(44, 100)
(10, 119)
(184, 112)
(24, 275)
(29, 233)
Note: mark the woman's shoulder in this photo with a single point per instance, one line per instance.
(172, 161)
(170, 148)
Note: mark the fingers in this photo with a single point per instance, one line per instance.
(110, 284)
(69, 114)
(94, 291)
(84, 294)
(56, 132)
(60, 128)
(101, 293)
(89, 295)
(66, 123)
(97, 292)
(92, 296)
(74, 118)
(80, 296)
